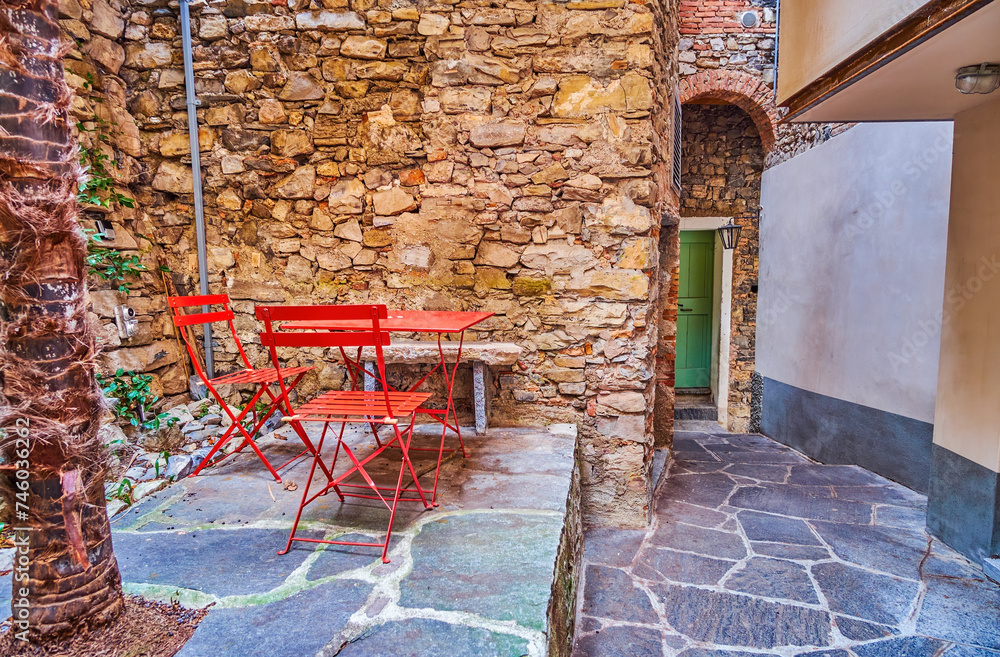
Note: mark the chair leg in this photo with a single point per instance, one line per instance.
(226, 437)
(237, 425)
(305, 495)
(437, 470)
(260, 455)
(304, 437)
(374, 428)
(360, 469)
(405, 449)
(336, 453)
(296, 426)
(392, 511)
(207, 461)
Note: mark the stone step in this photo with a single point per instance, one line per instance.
(695, 404)
(696, 413)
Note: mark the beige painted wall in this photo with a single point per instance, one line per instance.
(852, 251)
(813, 37)
(967, 416)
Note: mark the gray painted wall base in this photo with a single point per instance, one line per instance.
(963, 506)
(991, 567)
(837, 431)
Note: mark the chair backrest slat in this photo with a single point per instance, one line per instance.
(321, 313)
(203, 318)
(203, 300)
(277, 335)
(322, 339)
(182, 320)
(191, 319)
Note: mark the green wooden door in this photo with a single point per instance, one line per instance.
(694, 309)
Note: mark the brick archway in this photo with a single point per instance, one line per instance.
(741, 89)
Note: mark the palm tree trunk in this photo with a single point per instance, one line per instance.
(47, 351)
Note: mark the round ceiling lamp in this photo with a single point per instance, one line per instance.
(978, 79)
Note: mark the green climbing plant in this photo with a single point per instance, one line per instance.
(111, 264)
(98, 185)
(132, 395)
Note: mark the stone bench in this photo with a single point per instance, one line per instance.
(482, 355)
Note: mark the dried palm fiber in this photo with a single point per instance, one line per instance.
(47, 350)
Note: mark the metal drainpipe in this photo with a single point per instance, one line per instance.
(199, 207)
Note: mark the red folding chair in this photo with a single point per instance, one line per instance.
(264, 378)
(344, 407)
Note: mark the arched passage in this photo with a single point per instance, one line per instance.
(722, 160)
(728, 92)
(745, 91)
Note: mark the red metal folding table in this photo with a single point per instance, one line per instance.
(417, 321)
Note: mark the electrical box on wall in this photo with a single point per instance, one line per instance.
(125, 321)
(105, 231)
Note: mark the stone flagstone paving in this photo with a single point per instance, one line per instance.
(471, 577)
(755, 550)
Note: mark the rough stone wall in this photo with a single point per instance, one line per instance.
(712, 38)
(498, 156)
(722, 162)
(666, 37)
(100, 106)
(796, 138)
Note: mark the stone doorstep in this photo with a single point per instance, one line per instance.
(481, 354)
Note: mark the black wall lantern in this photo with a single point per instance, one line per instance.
(730, 235)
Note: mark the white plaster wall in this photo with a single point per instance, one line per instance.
(852, 256)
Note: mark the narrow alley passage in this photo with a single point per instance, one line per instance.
(755, 550)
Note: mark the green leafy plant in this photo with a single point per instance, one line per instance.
(111, 264)
(202, 410)
(132, 395)
(122, 491)
(165, 455)
(97, 187)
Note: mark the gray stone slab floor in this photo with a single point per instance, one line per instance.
(470, 577)
(755, 550)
